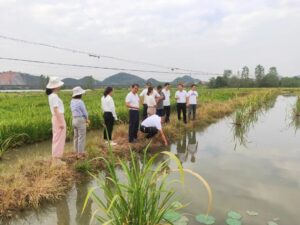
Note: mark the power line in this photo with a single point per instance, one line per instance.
(103, 56)
(98, 67)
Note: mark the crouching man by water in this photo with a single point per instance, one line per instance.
(151, 126)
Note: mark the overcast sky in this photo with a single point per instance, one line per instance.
(206, 35)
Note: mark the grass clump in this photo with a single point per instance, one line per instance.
(31, 185)
(143, 198)
(136, 192)
(83, 166)
(10, 142)
(297, 107)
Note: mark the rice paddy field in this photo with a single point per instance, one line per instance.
(29, 113)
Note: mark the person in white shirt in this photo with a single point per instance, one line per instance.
(59, 130)
(166, 102)
(151, 126)
(143, 95)
(182, 100)
(109, 114)
(193, 97)
(133, 104)
(160, 104)
(150, 101)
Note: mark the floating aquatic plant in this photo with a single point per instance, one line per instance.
(231, 221)
(234, 215)
(252, 213)
(205, 219)
(272, 223)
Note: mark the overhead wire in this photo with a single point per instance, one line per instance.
(90, 54)
(96, 67)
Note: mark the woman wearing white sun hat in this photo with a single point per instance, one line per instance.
(80, 120)
(58, 119)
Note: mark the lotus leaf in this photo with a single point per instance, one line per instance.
(205, 219)
(172, 216)
(182, 221)
(272, 223)
(231, 221)
(234, 215)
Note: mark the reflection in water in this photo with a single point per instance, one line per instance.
(181, 149)
(185, 149)
(240, 131)
(240, 134)
(295, 116)
(192, 147)
(295, 123)
(62, 212)
(264, 179)
(83, 217)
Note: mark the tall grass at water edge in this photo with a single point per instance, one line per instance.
(255, 103)
(139, 192)
(245, 116)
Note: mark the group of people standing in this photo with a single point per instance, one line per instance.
(156, 105)
(80, 119)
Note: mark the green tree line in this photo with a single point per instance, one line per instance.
(262, 79)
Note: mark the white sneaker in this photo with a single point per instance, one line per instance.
(113, 143)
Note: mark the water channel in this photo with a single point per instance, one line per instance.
(258, 170)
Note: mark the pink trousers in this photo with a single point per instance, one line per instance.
(59, 136)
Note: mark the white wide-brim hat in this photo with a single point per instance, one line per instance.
(78, 91)
(54, 82)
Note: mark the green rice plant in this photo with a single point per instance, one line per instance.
(29, 112)
(10, 142)
(240, 135)
(297, 107)
(137, 192)
(83, 166)
(248, 114)
(239, 116)
(294, 116)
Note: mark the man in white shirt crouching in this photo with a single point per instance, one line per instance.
(151, 126)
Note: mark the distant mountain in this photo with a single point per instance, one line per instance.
(154, 82)
(187, 80)
(85, 82)
(12, 79)
(71, 82)
(123, 79)
(16, 80)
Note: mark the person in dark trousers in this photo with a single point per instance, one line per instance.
(151, 126)
(193, 97)
(109, 114)
(182, 100)
(160, 105)
(166, 102)
(133, 104)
